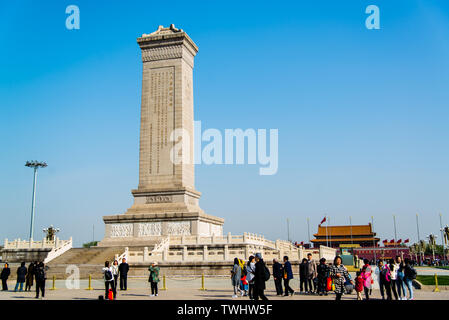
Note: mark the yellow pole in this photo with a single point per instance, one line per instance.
(90, 283)
(202, 283)
(163, 283)
(436, 284)
(54, 280)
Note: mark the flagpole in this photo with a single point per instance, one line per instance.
(308, 228)
(350, 223)
(330, 236)
(419, 239)
(288, 230)
(442, 238)
(327, 242)
(374, 241)
(395, 234)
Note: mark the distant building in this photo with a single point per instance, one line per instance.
(348, 236)
(383, 253)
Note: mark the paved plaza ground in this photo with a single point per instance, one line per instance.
(218, 288)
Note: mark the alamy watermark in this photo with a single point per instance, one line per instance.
(236, 146)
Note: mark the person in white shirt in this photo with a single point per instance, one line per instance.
(114, 268)
(108, 280)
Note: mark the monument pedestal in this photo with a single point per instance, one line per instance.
(165, 202)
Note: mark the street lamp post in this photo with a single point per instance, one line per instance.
(35, 165)
(395, 234)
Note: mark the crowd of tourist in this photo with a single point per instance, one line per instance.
(394, 277)
(248, 278)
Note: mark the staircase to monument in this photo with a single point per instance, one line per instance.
(88, 260)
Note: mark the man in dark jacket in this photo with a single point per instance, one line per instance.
(259, 278)
(21, 273)
(40, 272)
(288, 275)
(303, 276)
(277, 275)
(123, 269)
(4, 276)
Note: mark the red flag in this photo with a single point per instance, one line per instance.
(406, 241)
(392, 241)
(302, 242)
(399, 241)
(322, 221)
(385, 241)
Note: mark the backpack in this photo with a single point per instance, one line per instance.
(266, 273)
(412, 273)
(40, 273)
(108, 275)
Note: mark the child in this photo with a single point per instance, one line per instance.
(244, 285)
(359, 285)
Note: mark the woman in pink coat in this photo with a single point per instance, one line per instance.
(366, 274)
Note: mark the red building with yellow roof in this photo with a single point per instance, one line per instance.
(345, 236)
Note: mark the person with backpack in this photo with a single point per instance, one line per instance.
(322, 275)
(21, 274)
(384, 278)
(40, 273)
(409, 275)
(154, 278)
(250, 271)
(288, 275)
(108, 281)
(278, 274)
(261, 275)
(236, 274)
(4, 276)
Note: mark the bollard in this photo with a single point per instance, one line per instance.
(163, 283)
(54, 281)
(202, 283)
(436, 284)
(90, 283)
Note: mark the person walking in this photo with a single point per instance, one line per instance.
(339, 274)
(322, 275)
(367, 275)
(40, 273)
(261, 275)
(303, 276)
(288, 275)
(108, 281)
(4, 276)
(409, 276)
(400, 285)
(30, 276)
(115, 272)
(236, 274)
(278, 275)
(154, 278)
(21, 274)
(250, 271)
(311, 264)
(359, 285)
(123, 271)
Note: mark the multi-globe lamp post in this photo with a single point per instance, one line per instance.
(35, 165)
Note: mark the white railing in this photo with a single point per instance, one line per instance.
(124, 255)
(161, 246)
(62, 246)
(31, 244)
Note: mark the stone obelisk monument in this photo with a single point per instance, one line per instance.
(165, 202)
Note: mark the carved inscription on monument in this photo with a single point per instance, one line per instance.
(121, 230)
(161, 115)
(150, 229)
(178, 228)
(158, 199)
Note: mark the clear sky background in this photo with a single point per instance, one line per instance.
(362, 114)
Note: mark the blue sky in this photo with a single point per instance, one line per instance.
(362, 114)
